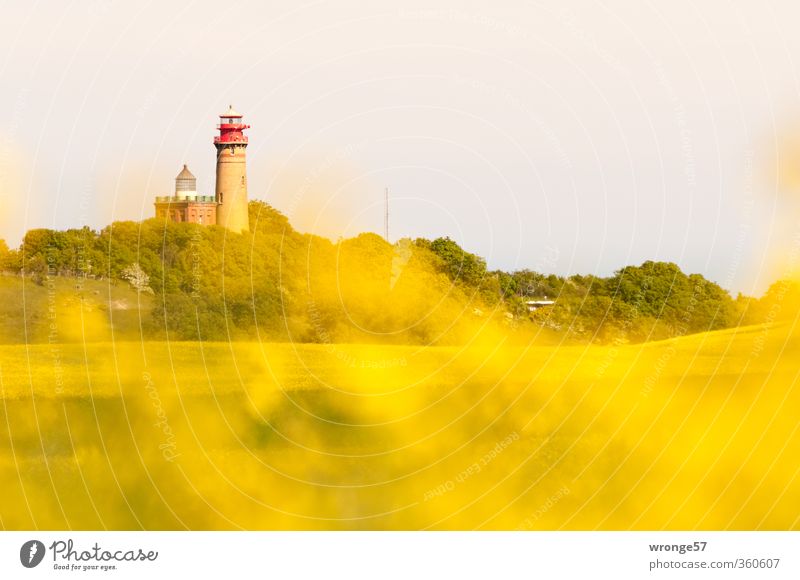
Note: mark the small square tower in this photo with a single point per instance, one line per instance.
(186, 205)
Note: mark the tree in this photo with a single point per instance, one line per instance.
(459, 265)
(137, 277)
(6, 257)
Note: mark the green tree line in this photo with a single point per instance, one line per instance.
(279, 284)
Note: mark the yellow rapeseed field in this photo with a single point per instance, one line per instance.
(699, 432)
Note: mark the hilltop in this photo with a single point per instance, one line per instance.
(159, 280)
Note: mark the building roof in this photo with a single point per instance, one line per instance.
(230, 112)
(185, 173)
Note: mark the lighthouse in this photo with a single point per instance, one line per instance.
(231, 189)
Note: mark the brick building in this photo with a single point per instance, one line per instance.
(186, 205)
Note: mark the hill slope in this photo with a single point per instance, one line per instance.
(68, 309)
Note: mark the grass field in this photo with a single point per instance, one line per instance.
(81, 308)
(697, 432)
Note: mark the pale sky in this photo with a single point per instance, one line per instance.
(567, 137)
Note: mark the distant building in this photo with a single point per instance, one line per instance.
(186, 205)
(228, 206)
(537, 304)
